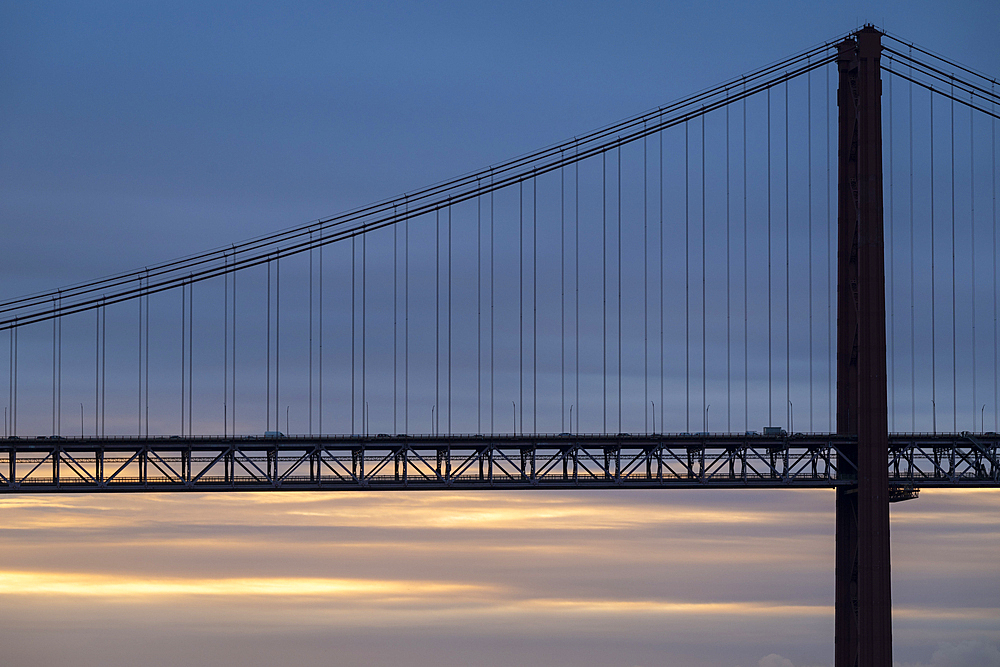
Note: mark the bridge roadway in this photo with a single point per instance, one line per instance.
(412, 462)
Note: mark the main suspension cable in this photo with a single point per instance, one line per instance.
(201, 267)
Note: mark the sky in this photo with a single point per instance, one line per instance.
(134, 133)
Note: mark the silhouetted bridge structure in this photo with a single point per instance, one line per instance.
(559, 293)
(595, 461)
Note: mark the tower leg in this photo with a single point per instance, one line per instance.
(846, 590)
(863, 591)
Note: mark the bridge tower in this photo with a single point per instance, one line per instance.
(863, 595)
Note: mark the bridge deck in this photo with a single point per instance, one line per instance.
(415, 462)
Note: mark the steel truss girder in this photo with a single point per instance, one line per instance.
(479, 462)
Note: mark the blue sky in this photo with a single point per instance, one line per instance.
(132, 133)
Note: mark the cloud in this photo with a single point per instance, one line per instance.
(604, 576)
(774, 660)
(968, 653)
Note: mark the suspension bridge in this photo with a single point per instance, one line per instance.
(653, 304)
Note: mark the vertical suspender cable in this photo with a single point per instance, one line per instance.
(933, 286)
(830, 285)
(53, 370)
(954, 327)
(534, 304)
(267, 410)
(604, 283)
(9, 409)
(234, 352)
(479, 311)
(143, 360)
(225, 359)
(662, 290)
(364, 333)
(704, 286)
(809, 224)
(913, 329)
(645, 285)
(59, 379)
(618, 158)
(13, 410)
(449, 318)
(687, 285)
(56, 370)
(104, 363)
(729, 355)
(769, 394)
(788, 331)
(225, 348)
(436, 409)
(562, 293)
(576, 266)
(520, 307)
(406, 318)
(746, 310)
(190, 360)
(184, 339)
(311, 253)
(319, 411)
(97, 374)
(972, 245)
(891, 352)
(492, 320)
(10, 389)
(993, 180)
(12, 392)
(395, 321)
(354, 274)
